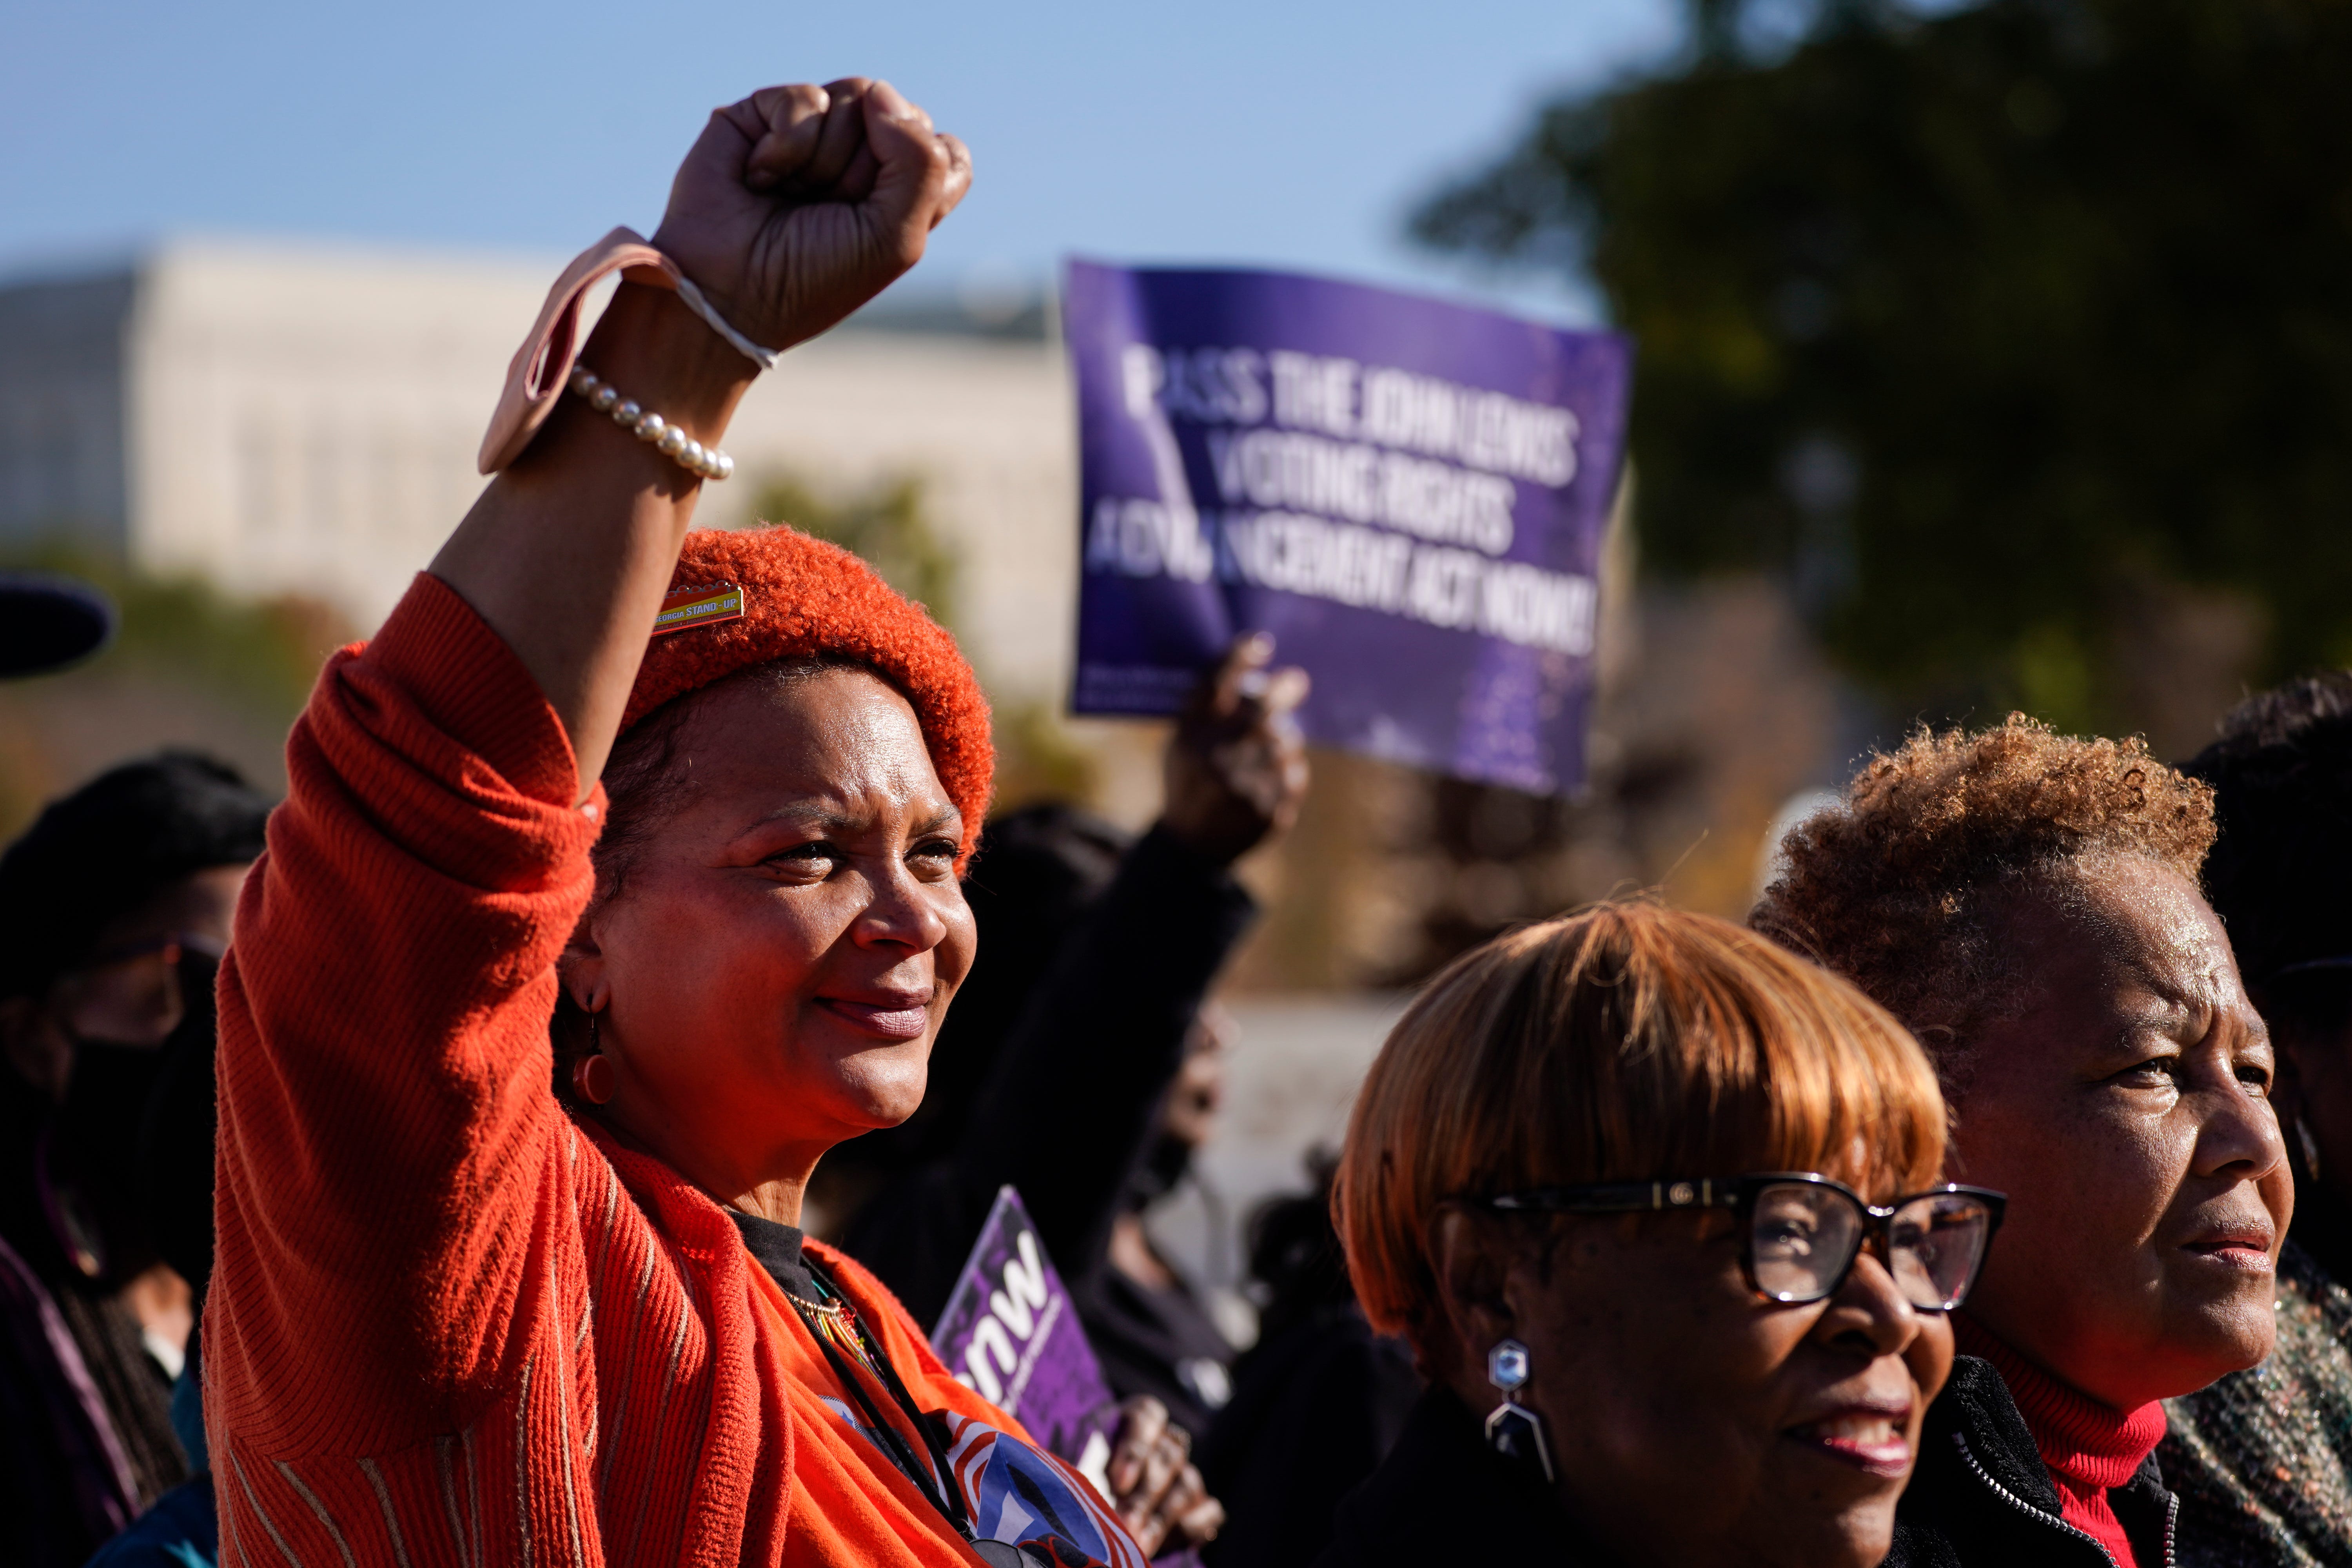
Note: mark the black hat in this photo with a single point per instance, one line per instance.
(47, 622)
(108, 847)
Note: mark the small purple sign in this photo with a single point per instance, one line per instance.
(1012, 1334)
(1409, 495)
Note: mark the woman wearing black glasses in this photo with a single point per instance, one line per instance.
(2028, 903)
(1657, 1205)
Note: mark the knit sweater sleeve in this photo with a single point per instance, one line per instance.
(391, 1186)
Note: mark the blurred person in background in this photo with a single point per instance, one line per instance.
(182, 1530)
(1318, 1401)
(1152, 1329)
(2027, 903)
(114, 911)
(1107, 1075)
(1655, 1203)
(2262, 1459)
(578, 942)
(49, 622)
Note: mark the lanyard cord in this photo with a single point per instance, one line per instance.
(957, 1515)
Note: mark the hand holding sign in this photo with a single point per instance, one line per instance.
(1158, 1491)
(1237, 767)
(1010, 1334)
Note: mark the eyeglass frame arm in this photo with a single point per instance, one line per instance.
(1707, 1191)
(1621, 1197)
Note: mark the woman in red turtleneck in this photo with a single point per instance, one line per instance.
(2089, 1450)
(2028, 904)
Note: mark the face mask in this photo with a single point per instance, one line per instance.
(91, 1147)
(1164, 1168)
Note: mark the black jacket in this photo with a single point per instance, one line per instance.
(1159, 1342)
(1442, 1498)
(1981, 1497)
(1316, 1406)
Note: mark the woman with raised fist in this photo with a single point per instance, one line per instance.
(492, 1292)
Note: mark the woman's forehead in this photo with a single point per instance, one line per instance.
(818, 741)
(2116, 916)
(808, 712)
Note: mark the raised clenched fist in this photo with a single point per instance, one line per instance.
(801, 203)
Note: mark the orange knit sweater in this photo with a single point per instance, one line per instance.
(446, 1324)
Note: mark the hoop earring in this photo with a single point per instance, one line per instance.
(1512, 1430)
(591, 1075)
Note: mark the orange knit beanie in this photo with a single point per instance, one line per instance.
(803, 599)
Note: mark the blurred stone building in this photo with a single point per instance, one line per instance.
(276, 420)
(284, 419)
(302, 420)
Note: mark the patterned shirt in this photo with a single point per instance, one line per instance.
(2262, 1460)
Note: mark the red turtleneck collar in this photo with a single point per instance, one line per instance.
(2088, 1447)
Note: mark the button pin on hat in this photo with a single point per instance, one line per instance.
(703, 604)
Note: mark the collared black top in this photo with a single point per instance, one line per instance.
(776, 1247)
(1981, 1497)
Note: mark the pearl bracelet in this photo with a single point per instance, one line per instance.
(670, 440)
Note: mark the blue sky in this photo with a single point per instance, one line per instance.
(1287, 135)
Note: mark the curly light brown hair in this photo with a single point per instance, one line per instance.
(1901, 887)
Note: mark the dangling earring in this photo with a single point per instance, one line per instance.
(1512, 1430)
(2310, 1149)
(591, 1075)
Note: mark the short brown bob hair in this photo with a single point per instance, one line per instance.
(1630, 1042)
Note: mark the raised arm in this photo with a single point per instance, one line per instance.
(390, 1160)
(796, 207)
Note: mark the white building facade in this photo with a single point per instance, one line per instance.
(285, 419)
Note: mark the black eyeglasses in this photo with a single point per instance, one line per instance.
(1803, 1231)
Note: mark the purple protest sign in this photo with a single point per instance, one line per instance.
(1409, 495)
(1011, 1334)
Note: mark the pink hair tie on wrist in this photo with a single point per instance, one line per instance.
(543, 366)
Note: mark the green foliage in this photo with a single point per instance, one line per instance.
(190, 666)
(885, 524)
(1972, 326)
(1037, 758)
(261, 655)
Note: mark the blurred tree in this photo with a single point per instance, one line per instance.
(2017, 340)
(886, 524)
(190, 666)
(1038, 759)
